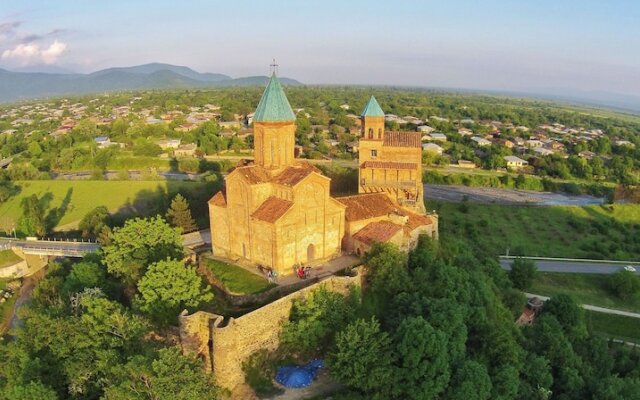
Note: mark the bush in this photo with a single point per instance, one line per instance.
(624, 284)
(522, 273)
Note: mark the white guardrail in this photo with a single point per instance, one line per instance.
(582, 260)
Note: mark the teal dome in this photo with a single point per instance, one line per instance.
(274, 106)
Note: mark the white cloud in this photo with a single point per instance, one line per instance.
(50, 55)
(28, 53)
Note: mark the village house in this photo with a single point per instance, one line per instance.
(438, 137)
(166, 144)
(425, 129)
(186, 150)
(514, 162)
(481, 141)
(432, 148)
(541, 151)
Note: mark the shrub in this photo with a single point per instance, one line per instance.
(624, 284)
(522, 273)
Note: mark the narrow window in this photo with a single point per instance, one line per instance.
(370, 133)
(272, 152)
(374, 153)
(379, 133)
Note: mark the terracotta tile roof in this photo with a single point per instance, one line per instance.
(389, 165)
(272, 209)
(254, 174)
(219, 199)
(377, 232)
(402, 139)
(294, 174)
(364, 206)
(415, 221)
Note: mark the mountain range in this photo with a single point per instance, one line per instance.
(18, 85)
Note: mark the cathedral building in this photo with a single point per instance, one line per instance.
(278, 212)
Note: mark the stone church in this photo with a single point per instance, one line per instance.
(278, 211)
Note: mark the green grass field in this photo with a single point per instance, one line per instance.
(614, 326)
(79, 197)
(599, 232)
(237, 279)
(7, 257)
(584, 288)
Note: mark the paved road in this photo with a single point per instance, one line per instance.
(574, 266)
(592, 308)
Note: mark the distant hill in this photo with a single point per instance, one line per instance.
(25, 85)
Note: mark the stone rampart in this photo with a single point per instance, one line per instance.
(224, 344)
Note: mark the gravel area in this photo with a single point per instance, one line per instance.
(452, 193)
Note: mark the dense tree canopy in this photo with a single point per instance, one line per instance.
(139, 243)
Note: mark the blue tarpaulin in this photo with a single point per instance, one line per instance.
(293, 376)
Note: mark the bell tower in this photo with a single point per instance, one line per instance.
(372, 121)
(274, 126)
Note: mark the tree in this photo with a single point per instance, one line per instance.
(470, 381)
(569, 314)
(179, 214)
(522, 273)
(85, 274)
(423, 363)
(140, 242)
(362, 357)
(315, 319)
(167, 288)
(387, 268)
(31, 391)
(625, 284)
(169, 376)
(93, 222)
(33, 220)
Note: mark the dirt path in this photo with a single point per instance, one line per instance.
(23, 296)
(323, 385)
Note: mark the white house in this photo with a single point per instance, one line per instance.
(515, 162)
(541, 151)
(438, 137)
(432, 148)
(481, 141)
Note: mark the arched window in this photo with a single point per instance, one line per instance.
(379, 133)
(370, 133)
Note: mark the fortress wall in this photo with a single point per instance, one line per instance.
(235, 341)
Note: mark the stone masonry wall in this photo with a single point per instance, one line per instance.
(225, 345)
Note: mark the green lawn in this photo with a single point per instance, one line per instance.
(584, 288)
(614, 326)
(599, 232)
(7, 257)
(237, 279)
(79, 197)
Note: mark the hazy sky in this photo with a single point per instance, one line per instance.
(532, 45)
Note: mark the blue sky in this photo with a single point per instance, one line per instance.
(520, 45)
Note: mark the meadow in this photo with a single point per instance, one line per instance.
(614, 326)
(597, 232)
(7, 257)
(237, 279)
(584, 288)
(72, 200)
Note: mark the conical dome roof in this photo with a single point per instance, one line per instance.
(274, 106)
(372, 109)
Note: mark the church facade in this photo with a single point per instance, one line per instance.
(278, 211)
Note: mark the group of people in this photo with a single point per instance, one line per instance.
(303, 272)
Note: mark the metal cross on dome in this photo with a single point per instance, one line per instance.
(274, 67)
